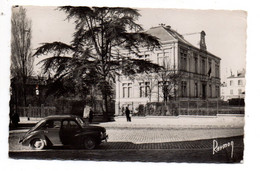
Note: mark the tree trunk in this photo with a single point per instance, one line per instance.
(105, 112)
(24, 91)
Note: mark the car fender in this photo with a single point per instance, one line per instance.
(28, 139)
(82, 135)
(92, 133)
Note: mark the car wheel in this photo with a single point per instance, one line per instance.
(89, 143)
(37, 144)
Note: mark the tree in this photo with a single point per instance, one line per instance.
(97, 53)
(169, 80)
(21, 54)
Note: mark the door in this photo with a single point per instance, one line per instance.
(52, 131)
(69, 128)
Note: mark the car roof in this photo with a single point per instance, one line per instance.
(60, 117)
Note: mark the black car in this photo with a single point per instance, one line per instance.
(62, 130)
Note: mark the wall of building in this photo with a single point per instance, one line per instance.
(191, 69)
(233, 88)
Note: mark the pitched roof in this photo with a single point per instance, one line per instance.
(165, 33)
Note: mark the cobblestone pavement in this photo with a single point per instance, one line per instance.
(199, 151)
(168, 135)
(148, 138)
(146, 145)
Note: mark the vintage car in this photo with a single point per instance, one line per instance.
(63, 130)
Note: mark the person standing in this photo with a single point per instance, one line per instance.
(127, 113)
(85, 112)
(90, 115)
(15, 119)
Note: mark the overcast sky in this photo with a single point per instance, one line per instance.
(225, 30)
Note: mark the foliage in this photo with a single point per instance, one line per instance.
(98, 51)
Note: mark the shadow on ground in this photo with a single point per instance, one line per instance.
(200, 151)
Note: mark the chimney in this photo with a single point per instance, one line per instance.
(202, 41)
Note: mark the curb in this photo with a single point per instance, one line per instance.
(167, 127)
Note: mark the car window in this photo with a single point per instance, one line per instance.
(73, 124)
(53, 124)
(69, 124)
(65, 124)
(56, 124)
(81, 122)
(38, 125)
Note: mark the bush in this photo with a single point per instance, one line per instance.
(236, 102)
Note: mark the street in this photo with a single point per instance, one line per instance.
(148, 145)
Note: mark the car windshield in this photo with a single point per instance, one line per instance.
(39, 124)
(81, 122)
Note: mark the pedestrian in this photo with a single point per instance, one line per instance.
(90, 115)
(127, 113)
(85, 112)
(15, 119)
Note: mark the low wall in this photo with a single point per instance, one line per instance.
(210, 108)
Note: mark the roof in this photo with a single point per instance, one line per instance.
(240, 74)
(233, 76)
(165, 33)
(60, 116)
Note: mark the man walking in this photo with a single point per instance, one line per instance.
(127, 113)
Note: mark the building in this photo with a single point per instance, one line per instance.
(234, 87)
(199, 72)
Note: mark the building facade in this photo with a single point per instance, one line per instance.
(197, 73)
(234, 87)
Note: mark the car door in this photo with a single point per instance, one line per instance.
(52, 131)
(69, 128)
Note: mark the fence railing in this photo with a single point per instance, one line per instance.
(35, 111)
(188, 107)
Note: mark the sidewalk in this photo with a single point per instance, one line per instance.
(180, 122)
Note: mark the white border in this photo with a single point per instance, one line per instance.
(252, 91)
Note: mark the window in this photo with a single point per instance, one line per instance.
(210, 90)
(124, 90)
(127, 90)
(217, 91)
(217, 70)
(209, 67)
(196, 63)
(183, 89)
(144, 89)
(231, 92)
(145, 56)
(196, 93)
(203, 66)
(163, 59)
(239, 91)
(147, 89)
(69, 124)
(231, 83)
(53, 124)
(240, 82)
(141, 89)
(184, 55)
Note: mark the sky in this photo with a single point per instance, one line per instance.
(225, 30)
